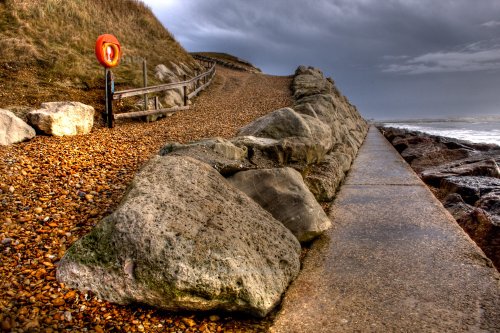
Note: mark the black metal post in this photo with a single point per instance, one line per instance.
(110, 87)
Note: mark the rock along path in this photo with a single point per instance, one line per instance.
(395, 260)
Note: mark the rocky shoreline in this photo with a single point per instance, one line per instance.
(464, 176)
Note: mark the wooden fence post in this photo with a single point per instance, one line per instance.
(185, 92)
(145, 77)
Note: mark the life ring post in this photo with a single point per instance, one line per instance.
(108, 52)
(109, 97)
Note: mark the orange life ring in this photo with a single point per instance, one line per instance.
(108, 50)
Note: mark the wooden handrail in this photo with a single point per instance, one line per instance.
(161, 87)
(150, 112)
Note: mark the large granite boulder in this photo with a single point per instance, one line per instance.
(470, 188)
(324, 178)
(426, 156)
(183, 238)
(473, 166)
(321, 106)
(284, 123)
(491, 203)
(282, 192)
(165, 75)
(262, 153)
(63, 118)
(310, 81)
(177, 69)
(302, 135)
(219, 153)
(172, 97)
(481, 225)
(13, 129)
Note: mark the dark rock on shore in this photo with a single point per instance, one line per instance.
(466, 176)
(471, 188)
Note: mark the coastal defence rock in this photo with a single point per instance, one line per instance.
(13, 129)
(286, 123)
(302, 138)
(482, 223)
(63, 118)
(183, 238)
(219, 153)
(325, 178)
(470, 188)
(473, 166)
(321, 157)
(310, 81)
(283, 193)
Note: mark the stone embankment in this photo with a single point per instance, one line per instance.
(465, 177)
(217, 224)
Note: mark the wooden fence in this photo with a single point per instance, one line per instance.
(199, 82)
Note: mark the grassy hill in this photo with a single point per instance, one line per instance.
(47, 48)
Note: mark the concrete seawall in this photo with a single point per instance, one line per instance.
(395, 260)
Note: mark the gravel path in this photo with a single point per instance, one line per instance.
(54, 190)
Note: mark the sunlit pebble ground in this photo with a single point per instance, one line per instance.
(53, 190)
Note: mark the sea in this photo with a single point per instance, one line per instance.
(470, 130)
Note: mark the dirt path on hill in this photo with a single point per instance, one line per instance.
(54, 190)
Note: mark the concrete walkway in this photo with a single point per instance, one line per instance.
(395, 260)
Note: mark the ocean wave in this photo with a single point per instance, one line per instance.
(484, 132)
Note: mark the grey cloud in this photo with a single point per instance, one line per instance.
(491, 24)
(368, 46)
(470, 59)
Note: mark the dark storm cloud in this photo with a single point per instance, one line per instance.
(382, 54)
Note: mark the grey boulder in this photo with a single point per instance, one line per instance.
(63, 118)
(172, 97)
(282, 192)
(13, 129)
(183, 238)
(285, 123)
(310, 81)
(320, 106)
(324, 178)
(302, 136)
(219, 153)
(470, 188)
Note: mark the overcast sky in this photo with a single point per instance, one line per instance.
(391, 58)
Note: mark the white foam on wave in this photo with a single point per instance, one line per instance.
(491, 135)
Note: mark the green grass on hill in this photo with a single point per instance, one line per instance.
(47, 46)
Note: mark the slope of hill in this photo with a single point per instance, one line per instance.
(228, 58)
(47, 48)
